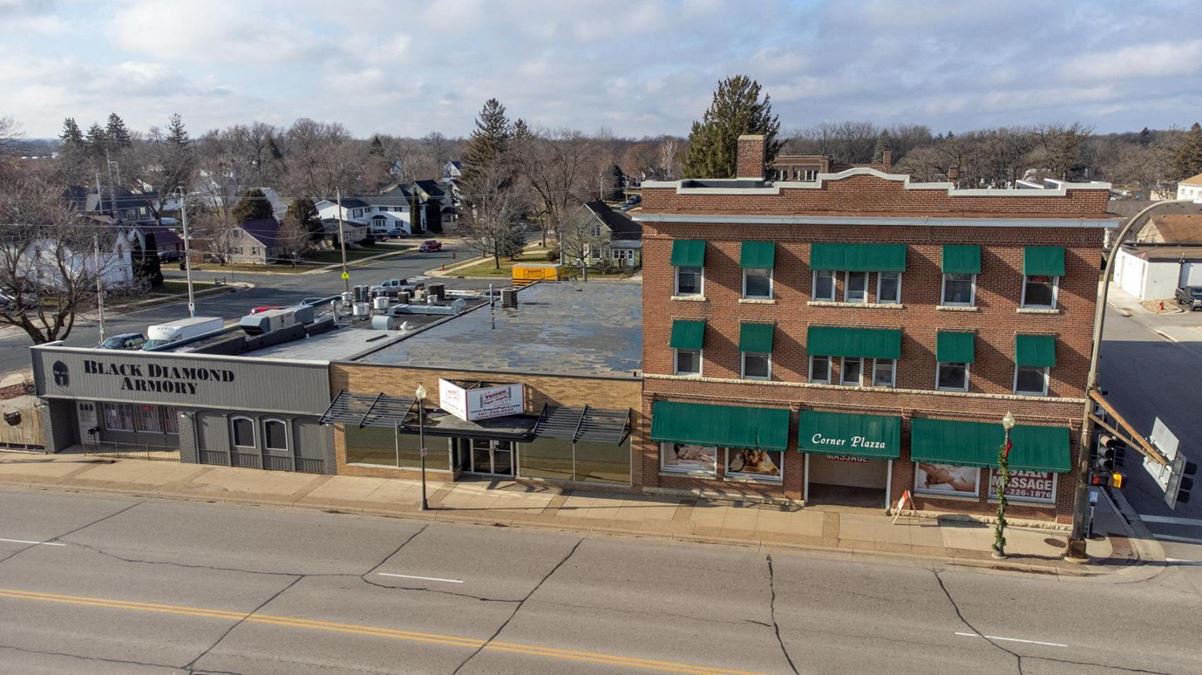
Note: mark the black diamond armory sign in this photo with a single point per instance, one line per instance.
(151, 376)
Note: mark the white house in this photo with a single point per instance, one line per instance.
(114, 262)
(1166, 255)
(1190, 188)
(367, 213)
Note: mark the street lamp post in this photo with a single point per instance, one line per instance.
(183, 209)
(1076, 539)
(1003, 464)
(421, 438)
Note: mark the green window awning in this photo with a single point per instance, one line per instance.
(977, 444)
(955, 347)
(961, 259)
(858, 257)
(756, 337)
(687, 334)
(848, 434)
(1035, 350)
(757, 255)
(1043, 261)
(871, 343)
(720, 426)
(688, 253)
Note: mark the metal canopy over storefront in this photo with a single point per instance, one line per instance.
(849, 434)
(720, 426)
(977, 444)
(574, 424)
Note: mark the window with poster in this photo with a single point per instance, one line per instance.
(765, 465)
(949, 480)
(1034, 487)
(685, 458)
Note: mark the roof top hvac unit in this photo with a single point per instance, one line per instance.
(275, 319)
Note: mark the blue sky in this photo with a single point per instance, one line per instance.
(633, 68)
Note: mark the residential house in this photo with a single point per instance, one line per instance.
(859, 336)
(363, 214)
(612, 235)
(256, 242)
(124, 205)
(1190, 188)
(1164, 255)
(428, 202)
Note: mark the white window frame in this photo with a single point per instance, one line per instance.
(842, 361)
(1046, 377)
(254, 432)
(676, 281)
(287, 435)
(847, 288)
(892, 373)
(939, 366)
(814, 286)
(1055, 293)
(743, 365)
(972, 294)
(771, 287)
(676, 362)
(827, 379)
(896, 301)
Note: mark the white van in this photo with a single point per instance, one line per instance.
(166, 333)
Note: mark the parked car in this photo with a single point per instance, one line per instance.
(123, 341)
(170, 256)
(1190, 296)
(391, 287)
(265, 308)
(430, 246)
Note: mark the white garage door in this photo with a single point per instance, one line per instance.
(1191, 274)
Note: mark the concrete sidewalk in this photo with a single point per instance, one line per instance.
(851, 531)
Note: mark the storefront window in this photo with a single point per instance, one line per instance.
(547, 458)
(687, 458)
(384, 447)
(118, 417)
(275, 436)
(244, 432)
(170, 417)
(146, 418)
(1037, 487)
(602, 462)
(767, 465)
(947, 480)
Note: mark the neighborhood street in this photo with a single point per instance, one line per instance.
(122, 585)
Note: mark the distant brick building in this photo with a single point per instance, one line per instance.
(851, 337)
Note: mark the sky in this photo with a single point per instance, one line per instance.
(632, 68)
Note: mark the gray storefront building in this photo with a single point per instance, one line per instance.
(236, 411)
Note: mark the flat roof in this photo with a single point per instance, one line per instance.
(558, 328)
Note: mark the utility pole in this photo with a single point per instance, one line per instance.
(96, 262)
(187, 254)
(346, 276)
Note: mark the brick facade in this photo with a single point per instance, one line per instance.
(996, 318)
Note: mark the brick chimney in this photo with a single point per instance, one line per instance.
(887, 159)
(953, 174)
(752, 157)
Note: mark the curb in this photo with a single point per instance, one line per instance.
(298, 502)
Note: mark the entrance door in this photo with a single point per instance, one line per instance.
(492, 457)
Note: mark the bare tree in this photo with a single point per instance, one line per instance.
(558, 167)
(293, 237)
(580, 238)
(216, 230)
(322, 158)
(669, 151)
(492, 223)
(48, 263)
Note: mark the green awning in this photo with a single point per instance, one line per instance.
(848, 434)
(1043, 261)
(1035, 350)
(756, 337)
(872, 343)
(955, 347)
(720, 426)
(961, 259)
(758, 255)
(858, 257)
(688, 253)
(687, 334)
(977, 444)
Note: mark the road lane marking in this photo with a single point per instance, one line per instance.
(410, 576)
(371, 631)
(1179, 561)
(1171, 537)
(1172, 520)
(38, 543)
(1006, 639)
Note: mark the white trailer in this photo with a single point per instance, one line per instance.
(166, 333)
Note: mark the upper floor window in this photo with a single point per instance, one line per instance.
(757, 259)
(1031, 380)
(688, 261)
(888, 288)
(687, 340)
(820, 369)
(757, 366)
(688, 281)
(1042, 268)
(824, 285)
(961, 264)
(1034, 356)
(687, 362)
(959, 290)
(757, 284)
(755, 348)
(954, 350)
(856, 288)
(884, 372)
(856, 262)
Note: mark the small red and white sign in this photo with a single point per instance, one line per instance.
(481, 403)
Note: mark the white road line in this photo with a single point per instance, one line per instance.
(1172, 520)
(1006, 639)
(1179, 561)
(39, 543)
(1170, 537)
(410, 576)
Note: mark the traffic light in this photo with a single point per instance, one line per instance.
(1117, 448)
(1114, 479)
(1188, 469)
(1105, 460)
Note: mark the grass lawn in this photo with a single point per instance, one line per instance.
(334, 256)
(180, 287)
(487, 268)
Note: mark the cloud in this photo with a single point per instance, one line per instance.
(1159, 59)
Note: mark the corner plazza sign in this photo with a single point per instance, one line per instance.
(148, 377)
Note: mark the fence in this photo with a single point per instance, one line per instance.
(131, 451)
(21, 427)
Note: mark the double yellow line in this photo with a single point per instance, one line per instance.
(370, 631)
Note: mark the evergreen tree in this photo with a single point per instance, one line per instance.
(377, 147)
(488, 143)
(71, 135)
(97, 140)
(1187, 160)
(273, 149)
(252, 206)
(176, 133)
(521, 130)
(117, 132)
(1145, 137)
(303, 214)
(735, 110)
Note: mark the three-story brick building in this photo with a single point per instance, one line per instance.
(844, 339)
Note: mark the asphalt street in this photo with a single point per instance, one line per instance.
(103, 584)
(1150, 368)
(270, 289)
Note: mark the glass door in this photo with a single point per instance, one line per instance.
(502, 458)
(491, 457)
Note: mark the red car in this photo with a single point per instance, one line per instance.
(430, 246)
(265, 308)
